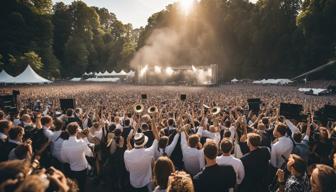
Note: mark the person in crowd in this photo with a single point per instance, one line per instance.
(13, 169)
(282, 148)
(15, 139)
(301, 147)
(138, 160)
(163, 168)
(114, 173)
(2, 115)
(37, 183)
(74, 152)
(170, 131)
(214, 177)
(192, 151)
(5, 126)
(213, 133)
(323, 179)
(57, 141)
(126, 129)
(323, 145)
(47, 123)
(180, 181)
(163, 147)
(27, 124)
(69, 117)
(256, 164)
(23, 151)
(227, 159)
(115, 144)
(148, 133)
(298, 181)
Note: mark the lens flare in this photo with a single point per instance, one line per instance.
(194, 68)
(186, 6)
(143, 71)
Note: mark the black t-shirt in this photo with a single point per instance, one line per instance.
(324, 149)
(215, 178)
(256, 165)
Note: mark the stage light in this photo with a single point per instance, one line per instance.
(143, 71)
(210, 72)
(194, 68)
(157, 69)
(169, 71)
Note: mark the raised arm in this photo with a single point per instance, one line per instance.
(170, 148)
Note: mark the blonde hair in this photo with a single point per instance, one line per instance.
(180, 181)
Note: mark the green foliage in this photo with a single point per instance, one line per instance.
(42, 6)
(1, 62)
(16, 64)
(272, 38)
(91, 39)
(32, 59)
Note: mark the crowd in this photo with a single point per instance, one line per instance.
(107, 143)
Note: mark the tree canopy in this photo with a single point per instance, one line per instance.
(271, 38)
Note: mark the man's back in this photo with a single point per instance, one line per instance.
(215, 178)
(283, 147)
(193, 158)
(235, 163)
(74, 151)
(138, 163)
(256, 165)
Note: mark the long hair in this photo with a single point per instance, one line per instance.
(163, 168)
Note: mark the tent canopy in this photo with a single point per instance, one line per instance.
(234, 80)
(122, 72)
(5, 77)
(273, 81)
(29, 76)
(103, 79)
(75, 79)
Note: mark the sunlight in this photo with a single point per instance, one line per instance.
(186, 6)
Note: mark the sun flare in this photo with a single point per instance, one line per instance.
(186, 6)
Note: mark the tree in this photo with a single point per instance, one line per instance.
(27, 27)
(76, 57)
(42, 7)
(33, 59)
(1, 62)
(317, 21)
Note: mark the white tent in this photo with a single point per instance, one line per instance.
(75, 79)
(113, 73)
(234, 80)
(29, 76)
(5, 77)
(85, 74)
(103, 79)
(122, 72)
(131, 73)
(106, 73)
(316, 91)
(273, 81)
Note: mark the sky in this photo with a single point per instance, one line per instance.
(135, 12)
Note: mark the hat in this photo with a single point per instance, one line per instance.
(140, 140)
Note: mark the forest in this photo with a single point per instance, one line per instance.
(271, 38)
